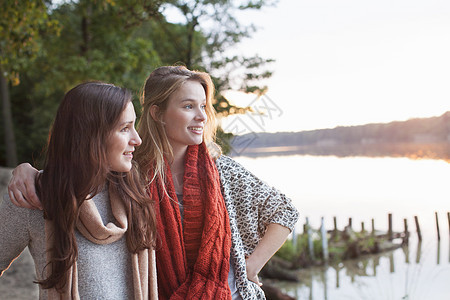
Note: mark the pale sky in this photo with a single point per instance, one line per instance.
(350, 62)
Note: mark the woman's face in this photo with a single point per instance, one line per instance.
(122, 141)
(185, 116)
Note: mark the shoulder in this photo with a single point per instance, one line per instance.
(234, 174)
(8, 211)
(7, 207)
(19, 227)
(226, 163)
(229, 169)
(223, 159)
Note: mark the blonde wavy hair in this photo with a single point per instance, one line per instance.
(159, 86)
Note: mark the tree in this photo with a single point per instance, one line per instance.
(203, 40)
(122, 41)
(20, 25)
(97, 41)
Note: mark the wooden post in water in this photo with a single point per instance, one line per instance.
(350, 223)
(362, 227)
(390, 226)
(294, 240)
(437, 226)
(419, 251)
(438, 252)
(373, 226)
(323, 233)
(448, 217)
(335, 224)
(310, 241)
(419, 234)
(405, 249)
(406, 238)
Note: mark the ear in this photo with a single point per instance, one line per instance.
(154, 110)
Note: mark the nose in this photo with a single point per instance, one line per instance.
(135, 139)
(201, 115)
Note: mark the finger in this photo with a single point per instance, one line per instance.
(23, 194)
(258, 282)
(16, 196)
(31, 195)
(255, 279)
(18, 200)
(11, 197)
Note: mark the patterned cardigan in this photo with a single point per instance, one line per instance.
(252, 205)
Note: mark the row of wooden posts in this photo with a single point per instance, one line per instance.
(390, 234)
(416, 220)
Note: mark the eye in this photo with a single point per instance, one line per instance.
(125, 129)
(188, 106)
(203, 106)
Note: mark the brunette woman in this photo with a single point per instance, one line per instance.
(94, 238)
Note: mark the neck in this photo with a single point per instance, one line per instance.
(177, 168)
(177, 164)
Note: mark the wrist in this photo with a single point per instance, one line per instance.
(254, 264)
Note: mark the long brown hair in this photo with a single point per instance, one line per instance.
(76, 169)
(159, 86)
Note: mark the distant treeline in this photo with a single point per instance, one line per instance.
(421, 137)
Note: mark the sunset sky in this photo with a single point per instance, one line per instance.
(350, 62)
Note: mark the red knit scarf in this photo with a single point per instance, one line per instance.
(193, 264)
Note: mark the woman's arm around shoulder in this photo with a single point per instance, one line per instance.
(21, 188)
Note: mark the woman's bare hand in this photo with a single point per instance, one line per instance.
(252, 271)
(21, 187)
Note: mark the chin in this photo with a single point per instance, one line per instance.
(123, 169)
(198, 142)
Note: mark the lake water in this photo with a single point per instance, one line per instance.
(364, 188)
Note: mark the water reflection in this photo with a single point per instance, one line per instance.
(438, 251)
(366, 277)
(405, 249)
(410, 150)
(364, 189)
(419, 251)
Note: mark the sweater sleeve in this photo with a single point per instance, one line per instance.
(277, 208)
(14, 233)
(255, 201)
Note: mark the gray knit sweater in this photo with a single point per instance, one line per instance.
(104, 271)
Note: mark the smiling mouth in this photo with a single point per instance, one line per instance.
(197, 129)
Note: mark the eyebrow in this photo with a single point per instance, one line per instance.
(125, 123)
(192, 100)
